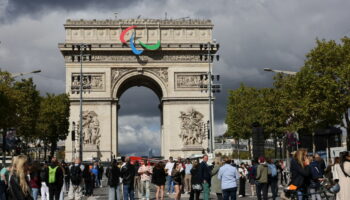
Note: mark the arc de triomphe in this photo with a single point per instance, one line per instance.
(172, 71)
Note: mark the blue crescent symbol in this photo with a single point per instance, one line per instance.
(132, 45)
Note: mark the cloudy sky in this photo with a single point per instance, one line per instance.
(253, 34)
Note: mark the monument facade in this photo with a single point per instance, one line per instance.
(163, 55)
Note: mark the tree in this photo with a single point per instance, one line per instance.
(53, 120)
(324, 85)
(29, 103)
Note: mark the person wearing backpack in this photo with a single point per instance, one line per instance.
(273, 178)
(262, 179)
(76, 180)
(316, 177)
(55, 179)
(44, 177)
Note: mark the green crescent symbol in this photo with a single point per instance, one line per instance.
(150, 47)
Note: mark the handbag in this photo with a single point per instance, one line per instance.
(197, 187)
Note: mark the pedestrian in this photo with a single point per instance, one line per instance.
(169, 179)
(179, 160)
(196, 182)
(315, 179)
(94, 171)
(75, 191)
(19, 183)
(100, 173)
(66, 175)
(187, 183)
(113, 175)
(228, 175)
(145, 172)
(205, 177)
(44, 178)
(176, 174)
(128, 175)
(35, 182)
(137, 179)
(273, 178)
(300, 172)
(159, 178)
(252, 177)
(262, 179)
(4, 179)
(55, 176)
(215, 182)
(242, 179)
(341, 174)
(321, 163)
(88, 180)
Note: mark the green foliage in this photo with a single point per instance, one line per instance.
(53, 119)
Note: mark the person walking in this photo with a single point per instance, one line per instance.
(55, 176)
(229, 177)
(44, 178)
(4, 179)
(242, 179)
(100, 173)
(88, 180)
(137, 179)
(19, 183)
(75, 191)
(145, 172)
(262, 179)
(66, 176)
(252, 177)
(176, 174)
(128, 175)
(113, 175)
(188, 167)
(341, 174)
(158, 179)
(35, 182)
(273, 178)
(169, 179)
(95, 172)
(196, 182)
(315, 179)
(300, 172)
(215, 182)
(205, 177)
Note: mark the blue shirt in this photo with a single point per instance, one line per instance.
(188, 168)
(228, 176)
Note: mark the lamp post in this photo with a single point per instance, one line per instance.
(210, 56)
(82, 48)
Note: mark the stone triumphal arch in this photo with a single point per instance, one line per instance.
(172, 71)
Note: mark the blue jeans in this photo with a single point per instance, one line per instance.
(170, 184)
(229, 193)
(113, 193)
(128, 192)
(35, 192)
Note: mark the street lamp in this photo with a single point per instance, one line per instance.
(25, 73)
(82, 48)
(210, 56)
(280, 71)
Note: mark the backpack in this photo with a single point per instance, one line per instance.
(76, 175)
(52, 174)
(272, 170)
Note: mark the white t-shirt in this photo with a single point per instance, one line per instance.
(169, 166)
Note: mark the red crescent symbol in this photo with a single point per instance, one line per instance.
(124, 32)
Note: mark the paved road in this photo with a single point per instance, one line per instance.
(102, 194)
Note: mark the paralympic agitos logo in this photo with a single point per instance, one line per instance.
(132, 42)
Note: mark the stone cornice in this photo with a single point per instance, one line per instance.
(151, 23)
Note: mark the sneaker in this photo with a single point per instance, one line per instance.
(167, 193)
(240, 196)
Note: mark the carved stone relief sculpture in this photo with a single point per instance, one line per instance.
(91, 129)
(192, 128)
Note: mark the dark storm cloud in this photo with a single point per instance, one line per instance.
(17, 8)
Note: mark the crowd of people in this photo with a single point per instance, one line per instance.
(126, 180)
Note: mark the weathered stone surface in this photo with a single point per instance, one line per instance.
(172, 72)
